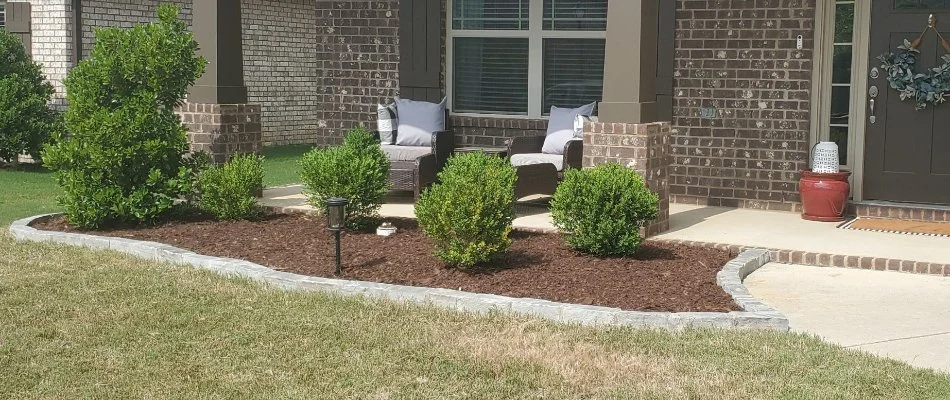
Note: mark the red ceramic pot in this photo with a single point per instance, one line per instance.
(824, 195)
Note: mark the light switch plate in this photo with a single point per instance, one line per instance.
(800, 42)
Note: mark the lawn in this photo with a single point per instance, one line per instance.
(280, 163)
(91, 324)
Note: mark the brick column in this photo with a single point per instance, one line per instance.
(222, 130)
(646, 148)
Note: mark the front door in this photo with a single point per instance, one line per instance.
(907, 151)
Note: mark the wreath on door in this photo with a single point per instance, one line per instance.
(930, 87)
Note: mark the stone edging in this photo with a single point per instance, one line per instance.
(757, 315)
(832, 260)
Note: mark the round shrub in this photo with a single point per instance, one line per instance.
(25, 119)
(602, 209)
(228, 191)
(122, 160)
(358, 171)
(468, 213)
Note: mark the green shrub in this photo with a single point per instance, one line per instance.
(468, 213)
(122, 160)
(602, 209)
(26, 120)
(228, 191)
(358, 171)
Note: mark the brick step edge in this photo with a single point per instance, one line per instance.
(756, 315)
(831, 260)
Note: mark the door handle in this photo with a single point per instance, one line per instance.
(872, 118)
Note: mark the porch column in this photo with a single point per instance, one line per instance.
(218, 117)
(630, 62)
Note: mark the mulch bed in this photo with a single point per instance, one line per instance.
(660, 277)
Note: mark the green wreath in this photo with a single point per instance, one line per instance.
(932, 87)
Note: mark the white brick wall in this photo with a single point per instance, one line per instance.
(52, 42)
(280, 39)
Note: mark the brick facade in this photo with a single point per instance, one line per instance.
(646, 148)
(52, 42)
(737, 60)
(222, 130)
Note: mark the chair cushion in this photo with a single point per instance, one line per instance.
(538, 158)
(418, 120)
(386, 123)
(404, 153)
(561, 127)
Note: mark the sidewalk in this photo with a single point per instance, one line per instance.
(743, 227)
(901, 316)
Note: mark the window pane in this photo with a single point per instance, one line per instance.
(841, 64)
(840, 104)
(575, 15)
(839, 135)
(573, 72)
(490, 75)
(490, 14)
(3, 13)
(922, 4)
(844, 23)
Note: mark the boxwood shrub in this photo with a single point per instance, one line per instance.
(228, 191)
(468, 214)
(357, 170)
(601, 209)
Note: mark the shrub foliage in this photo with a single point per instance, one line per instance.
(468, 214)
(26, 120)
(122, 160)
(228, 191)
(357, 170)
(602, 209)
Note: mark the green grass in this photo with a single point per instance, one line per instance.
(280, 164)
(84, 324)
(76, 323)
(26, 191)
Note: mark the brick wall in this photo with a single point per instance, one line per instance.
(738, 60)
(280, 39)
(52, 42)
(357, 63)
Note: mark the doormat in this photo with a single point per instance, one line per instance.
(898, 226)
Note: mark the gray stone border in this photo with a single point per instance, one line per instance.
(756, 315)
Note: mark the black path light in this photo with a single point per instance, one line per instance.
(336, 218)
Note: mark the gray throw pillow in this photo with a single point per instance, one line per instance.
(561, 127)
(418, 120)
(386, 123)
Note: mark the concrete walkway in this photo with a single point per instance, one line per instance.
(744, 227)
(901, 316)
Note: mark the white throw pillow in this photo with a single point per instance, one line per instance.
(386, 123)
(579, 122)
(561, 127)
(418, 120)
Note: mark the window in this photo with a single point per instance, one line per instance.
(3, 13)
(520, 57)
(839, 131)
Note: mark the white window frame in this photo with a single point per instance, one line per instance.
(535, 35)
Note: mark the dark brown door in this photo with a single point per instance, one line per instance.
(907, 151)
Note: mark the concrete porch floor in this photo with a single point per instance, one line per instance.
(744, 227)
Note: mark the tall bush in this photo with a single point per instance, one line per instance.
(468, 214)
(602, 209)
(26, 120)
(357, 170)
(122, 161)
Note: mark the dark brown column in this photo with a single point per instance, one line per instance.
(217, 28)
(630, 62)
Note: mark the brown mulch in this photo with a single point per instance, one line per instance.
(660, 277)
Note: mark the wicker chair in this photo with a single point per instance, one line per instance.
(539, 173)
(415, 168)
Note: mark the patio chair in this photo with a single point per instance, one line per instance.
(415, 163)
(539, 172)
(540, 161)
